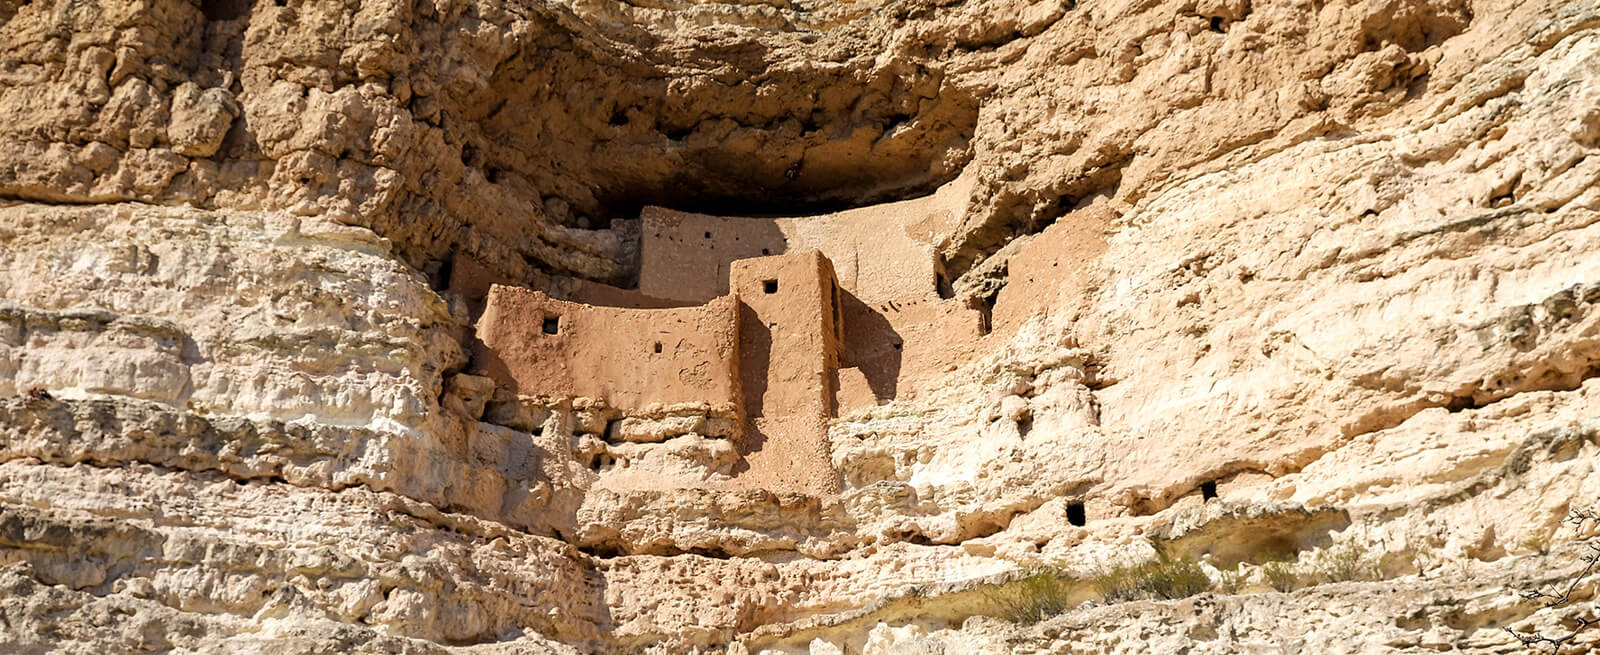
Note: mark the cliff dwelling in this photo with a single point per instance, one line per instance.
(879, 327)
(757, 330)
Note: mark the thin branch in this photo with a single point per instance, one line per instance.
(1536, 640)
(1578, 518)
(1552, 600)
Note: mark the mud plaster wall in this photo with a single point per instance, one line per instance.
(1050, 265)
(894, 348)
(789, 333)
(611, 353)
(684, 256)
(879, 253)
(896, 327)
(789, 339)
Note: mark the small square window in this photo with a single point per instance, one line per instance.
(552, 324)
(770, 286)
(658, 347)
(708, 235)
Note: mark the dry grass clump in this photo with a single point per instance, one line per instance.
(1164, 578)
(1343, 562)
(1043, 593)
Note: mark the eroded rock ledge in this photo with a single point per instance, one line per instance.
(1252, 280)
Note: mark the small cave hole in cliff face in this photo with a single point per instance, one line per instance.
(658, 347)
(552, 325)
(221, 10)
(1076, 515)
(1208, 490)
(769, 286)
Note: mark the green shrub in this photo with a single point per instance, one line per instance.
(1164, 577)
(1343, 562)
(1044, 593)
(1281, 575)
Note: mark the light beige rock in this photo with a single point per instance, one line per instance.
(1337, 260)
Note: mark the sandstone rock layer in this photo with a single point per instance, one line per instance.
(1232, 279)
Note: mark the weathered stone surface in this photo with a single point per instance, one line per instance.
(1335, 262)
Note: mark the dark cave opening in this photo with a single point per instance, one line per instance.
(221, 10)
(1076, 515)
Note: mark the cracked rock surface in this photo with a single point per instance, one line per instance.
(1267, 278)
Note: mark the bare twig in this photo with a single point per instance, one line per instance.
(1550, 599)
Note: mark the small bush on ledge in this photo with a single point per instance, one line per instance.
(1164, 578)
(1043, 593)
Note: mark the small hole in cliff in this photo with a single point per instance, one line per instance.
(766, 251)
(1216, 24)
(552, 325)
(1024, 426)
(708, 235)
(1208, 490)
(897, 345)
(1076, 515)
(224, 9)
(770, 286)
(658, 347)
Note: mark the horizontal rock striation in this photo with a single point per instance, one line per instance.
(1254, 284)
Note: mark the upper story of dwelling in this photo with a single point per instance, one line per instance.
(880, 253)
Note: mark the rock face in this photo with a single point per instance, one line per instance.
(1265, 285)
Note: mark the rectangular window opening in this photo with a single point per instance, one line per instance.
(658, 347)
(1076, 515)
(769, 286)
(1208, 490)
(552, 324)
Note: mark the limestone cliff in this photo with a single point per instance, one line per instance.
(1258, 284)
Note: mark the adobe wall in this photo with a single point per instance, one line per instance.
(893, 348)
(687, 257)
(789, 340)
(1051, 263)
(879, 253)
(628, 358)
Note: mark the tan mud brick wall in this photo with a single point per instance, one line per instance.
(789, 339)
(628, 358)
(897, 347)
(882, 252)
(687, 257)
(1049, 272)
